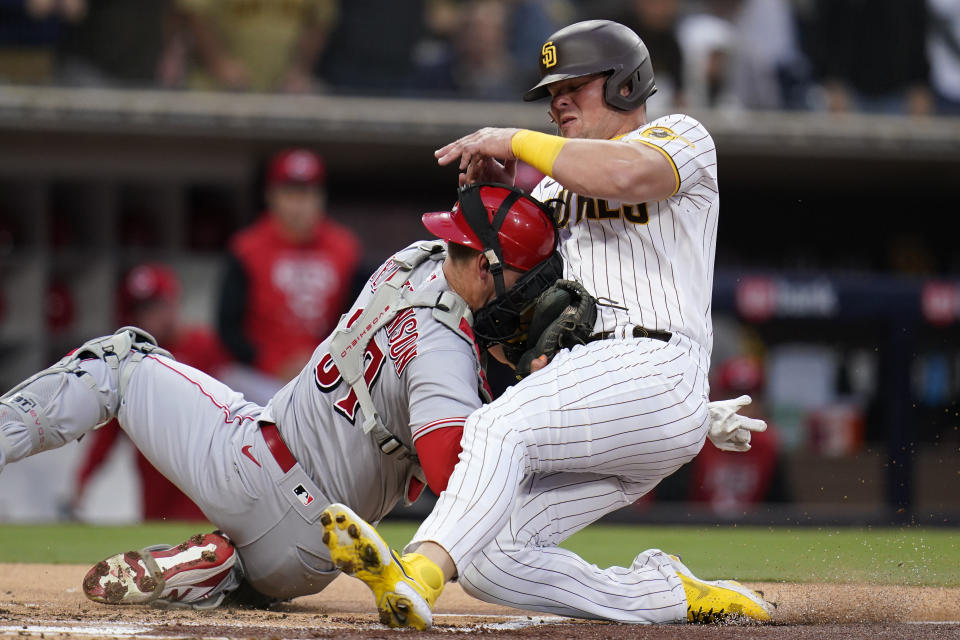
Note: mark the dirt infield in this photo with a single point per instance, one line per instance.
(45, 601)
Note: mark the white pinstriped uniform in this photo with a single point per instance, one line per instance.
(604, 423)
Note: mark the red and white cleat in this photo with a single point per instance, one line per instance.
(187, 573)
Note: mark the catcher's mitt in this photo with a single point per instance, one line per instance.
(563, 316)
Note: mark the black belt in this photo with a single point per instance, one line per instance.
(638, 332)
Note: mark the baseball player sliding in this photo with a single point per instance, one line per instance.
(602, 423)
(394, 382)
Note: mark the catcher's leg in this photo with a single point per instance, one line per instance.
(198, 573)
(77, 394)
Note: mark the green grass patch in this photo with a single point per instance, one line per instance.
(908, 556)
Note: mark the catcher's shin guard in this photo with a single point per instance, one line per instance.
(26, 426)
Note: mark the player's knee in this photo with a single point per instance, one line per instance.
(472, 578)
(76, 394)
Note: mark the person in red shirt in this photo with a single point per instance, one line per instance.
(149, 298)
(289, 275)
(734, 482)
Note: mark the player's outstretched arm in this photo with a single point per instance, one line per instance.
(476, 148)
(622, 171)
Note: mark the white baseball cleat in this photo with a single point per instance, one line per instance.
(185, 574)
(710, 601)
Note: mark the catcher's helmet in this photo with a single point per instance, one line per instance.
(598, 46)
(517, 228)
(508, 227)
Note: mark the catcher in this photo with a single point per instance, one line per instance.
(378, 410)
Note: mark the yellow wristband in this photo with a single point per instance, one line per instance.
(537, 149)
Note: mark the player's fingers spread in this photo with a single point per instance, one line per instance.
(753, 424)
(450, 152)
(447, 157)
(465, 160)
(475, 172)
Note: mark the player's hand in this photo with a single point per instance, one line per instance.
(486, 169)
(729, 431)
(539, 363)
(487, 142)
(497, 352)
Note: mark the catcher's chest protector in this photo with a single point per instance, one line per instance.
(352, 335)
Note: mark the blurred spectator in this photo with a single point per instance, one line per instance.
(731, 482)
(123, 43)
(61, 306)
(708, 42)
(485, 66)
(258, 45)
(870, 55)
(943, 49)
(655, 21)
(372, 48)
(530, 23)
(149, 298)
(771, 71)
(290, 274)
(476, 62)
(486, 49)
(746, 54)
(29, 29)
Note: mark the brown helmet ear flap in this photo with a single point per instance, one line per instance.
(641, 85)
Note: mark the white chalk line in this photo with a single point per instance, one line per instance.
(142, 632)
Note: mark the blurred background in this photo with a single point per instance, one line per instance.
(155, 155)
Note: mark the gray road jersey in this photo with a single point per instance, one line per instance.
(422, 376)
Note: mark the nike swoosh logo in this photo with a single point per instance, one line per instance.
(701, 591)
(393, 554)
(245, 450)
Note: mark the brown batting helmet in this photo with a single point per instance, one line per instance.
(598, 46)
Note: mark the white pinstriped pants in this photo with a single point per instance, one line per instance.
(591, 433)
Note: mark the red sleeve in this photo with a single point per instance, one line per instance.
(439, 451)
